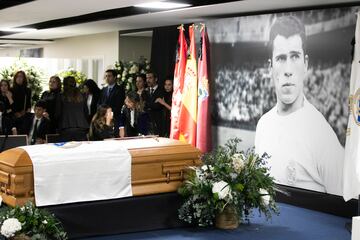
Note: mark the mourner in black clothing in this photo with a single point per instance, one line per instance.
(166, 102)
(7, 126)
(134, 120)
(92, 95)
(113, 95)
(155, 109)
(141, 86)
(72, 113)
(6, 97)
(51, 97)
(101, 126)
(21, 96)
(36, 126)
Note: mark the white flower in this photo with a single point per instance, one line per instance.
(10, 227)
(265, 196)
(0, 200)
(238, 161)
(44, 222)
(222, 189)
(199, 174)
(207, 168)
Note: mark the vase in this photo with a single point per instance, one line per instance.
(227, 219)
(20, 237)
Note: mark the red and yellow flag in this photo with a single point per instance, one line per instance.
(188, 109)
(203, 133)
(179, 74)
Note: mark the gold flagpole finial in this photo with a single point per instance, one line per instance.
(181, 27)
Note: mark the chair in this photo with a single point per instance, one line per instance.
(12, 141)
(52, 138)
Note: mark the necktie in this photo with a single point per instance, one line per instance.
(151, 91)
(34, 134)
(109, 91)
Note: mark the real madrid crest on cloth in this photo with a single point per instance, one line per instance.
(354, 103)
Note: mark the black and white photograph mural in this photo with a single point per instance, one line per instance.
(281, 84)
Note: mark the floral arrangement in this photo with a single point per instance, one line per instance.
(29, 222)
(33, 74)
(127, 71)
(80, 77)
(228, 179)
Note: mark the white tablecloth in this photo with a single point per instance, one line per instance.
(80, 171)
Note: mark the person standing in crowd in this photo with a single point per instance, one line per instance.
(303, 148)
(134, 120)
(6, 97)
(21, 96)
(113, 95)
(166, 102)
(155, 109)
(36, 125)
(102, 125)
(141, 86)
(51, 96)
(7, 126)
(72, 113)
(92, 95)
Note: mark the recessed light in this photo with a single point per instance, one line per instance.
(17, 29)
(162, 5)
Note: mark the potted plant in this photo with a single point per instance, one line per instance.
(225, 189)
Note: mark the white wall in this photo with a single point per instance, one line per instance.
(102, 48)
(131, 48)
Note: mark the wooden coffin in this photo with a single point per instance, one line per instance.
(158, 166)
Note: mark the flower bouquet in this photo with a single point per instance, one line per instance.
(29, 222)
(227, 187)
(127, 71)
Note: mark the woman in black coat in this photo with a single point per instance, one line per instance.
(102, 125)
(72, 113)
(22, 98)
(92, 94)
(51, 97)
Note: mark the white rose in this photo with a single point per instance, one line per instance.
(265, 196)
(10, 227)
(44, 222)
(238, 161)
(222, 189)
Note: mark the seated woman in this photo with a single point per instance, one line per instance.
(134, 121)
(102, 125)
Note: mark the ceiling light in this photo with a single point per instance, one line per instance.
(162, 5)
(17, 29)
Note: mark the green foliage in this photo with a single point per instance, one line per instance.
(35, 222)
(80, 77)
(227, 177)
(33, 75)
(127, 71)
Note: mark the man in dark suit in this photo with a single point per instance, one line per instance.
(153, 107)
(36, 125)
(113, 95)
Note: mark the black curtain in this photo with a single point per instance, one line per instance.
(163, 51)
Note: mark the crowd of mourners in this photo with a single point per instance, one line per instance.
(243, 95)
(85, 112)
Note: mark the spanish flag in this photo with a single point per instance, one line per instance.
(179, 74)
(203, 133)
(188, 109)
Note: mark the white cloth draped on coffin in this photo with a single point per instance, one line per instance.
(80, 171)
